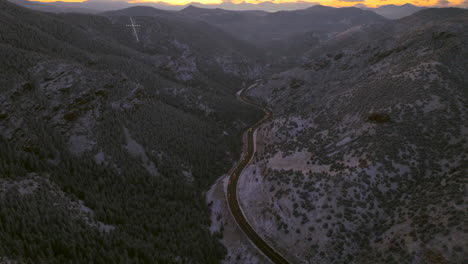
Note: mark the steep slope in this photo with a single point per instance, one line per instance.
(366, 158)
(105, 144)
(214, 52)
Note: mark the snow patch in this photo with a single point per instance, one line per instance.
(80, 143)
(295, 161)
(137, 150)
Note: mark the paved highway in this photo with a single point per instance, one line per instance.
(232, 198)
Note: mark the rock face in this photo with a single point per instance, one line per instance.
(366, 158)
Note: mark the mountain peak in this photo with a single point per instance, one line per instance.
(193, 8)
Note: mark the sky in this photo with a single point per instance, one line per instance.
(334, 3)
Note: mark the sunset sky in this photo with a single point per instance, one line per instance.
(335, 3)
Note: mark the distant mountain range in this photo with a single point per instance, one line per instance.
(395, 11)
(56, 7)
(96, 6)
(388, 11)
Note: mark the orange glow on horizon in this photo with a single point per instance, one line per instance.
(51, 1)
(334, 3)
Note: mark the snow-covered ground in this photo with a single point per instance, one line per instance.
(239, 249)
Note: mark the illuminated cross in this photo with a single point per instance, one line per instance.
(133, 25)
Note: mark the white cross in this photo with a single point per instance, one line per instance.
(133, 25)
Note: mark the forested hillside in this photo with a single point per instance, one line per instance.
(107, 144)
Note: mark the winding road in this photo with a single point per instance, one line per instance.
(232, 197)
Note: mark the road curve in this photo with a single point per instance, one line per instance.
(232, 197)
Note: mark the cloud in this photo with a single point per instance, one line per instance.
(351, 1)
